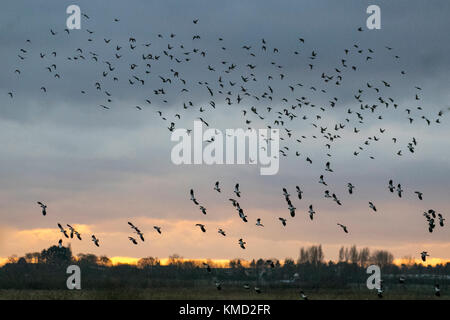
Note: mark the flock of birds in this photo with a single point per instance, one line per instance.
(73, 232)
(430, 214)
(264, 90)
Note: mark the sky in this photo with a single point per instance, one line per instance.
(97, 169)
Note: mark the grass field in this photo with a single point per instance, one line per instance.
(229, 293)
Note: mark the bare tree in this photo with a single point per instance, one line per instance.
(364, 255)
(353, 253)
(313, 255)
(381, 258)
(341, 254)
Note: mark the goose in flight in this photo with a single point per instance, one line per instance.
(270, 263)
(311, 212)
(242, 243)
(73, 231)
(193, 197)
(286, 194)
(437, 290)
(399, 190)
(221, 232)
(327, 167)
(158, 229)
(258, 222)
(208, 268)
(60, 243)
(203, 209)
(432, 212)
(322, 181)
(343, 227)
(372, 206)
(95, 240)
(424, 255)
(431, 224)
(299, 192)
(201, 226)
(419, 195)
(380, 292)
(136, 229)
(63, 231)
(216, 186)
(203, 121)
(350, 188)
(291, 208)
(303, 295)
(236, 190)
(335, 199)
(235, 203)
(242, 215)
(441, 220)
(391, 186)
(133, 240)
(43, 207)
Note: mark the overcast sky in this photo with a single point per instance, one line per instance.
(98, 168)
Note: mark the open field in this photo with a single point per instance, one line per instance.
(231, 293)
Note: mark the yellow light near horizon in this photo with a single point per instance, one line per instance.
(165, 261)
(3, 261)
(225, 262)
(430, 261)
(123, 260)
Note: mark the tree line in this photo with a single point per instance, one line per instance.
(47, 270)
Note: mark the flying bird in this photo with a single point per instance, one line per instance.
(419, 195)
(193, 197)
(399, 190)
(322, 181)
(258, 222)
(236, 190)
(242, 243)
(350, 188)
(216, 186)
(95, 240)
(343, 227)
(303, 296)
(311, 212)
(133, 240)
(62, 230)
(437, 290)
(43, 207)
(424, 255)
(391, 186)
(201, 226)
(299, 192)
(441, 220)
